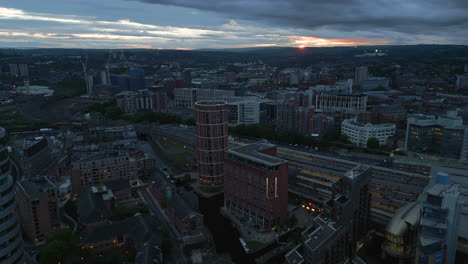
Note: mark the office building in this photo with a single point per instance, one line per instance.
(360, 75)
(445, 136)
(256, 185)
(401, 235)
(11, 239)
(38, 208)
(247, 112)
(142, 101)
(212, 140)
(438, 224)
(341, 101)
(359, 133)
(102, 167)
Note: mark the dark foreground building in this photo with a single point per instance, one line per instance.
(256, 185)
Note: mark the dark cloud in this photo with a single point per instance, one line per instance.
(424, 17)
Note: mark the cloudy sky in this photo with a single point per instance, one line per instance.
(192, 24)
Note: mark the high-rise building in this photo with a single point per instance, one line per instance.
(136, 79)
(462, 82)
(438, 223)
(14, 71)
(256, 185)
(442, 135)
(23, 70)
(38, 208)
(212, 140)
(104, 78)
(230, 77)
(11, 240)
(360, 75)
(90, 84)
(187, 78)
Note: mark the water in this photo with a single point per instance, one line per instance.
(224, 234)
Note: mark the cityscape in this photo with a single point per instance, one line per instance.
(152, 132)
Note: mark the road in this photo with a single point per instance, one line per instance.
(177, 253)
(160, 164)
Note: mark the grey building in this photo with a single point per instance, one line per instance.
(438, 223)
(11, 240)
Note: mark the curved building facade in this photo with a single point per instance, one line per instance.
(11, 241)
(212, 140)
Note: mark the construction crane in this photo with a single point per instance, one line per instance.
(107, 67)
(125, 60)
(89, 88)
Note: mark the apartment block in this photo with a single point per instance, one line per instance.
(102, 167)
(38, 207)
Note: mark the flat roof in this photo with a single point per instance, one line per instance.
(322, 232)
(36, 185)
(252, 152)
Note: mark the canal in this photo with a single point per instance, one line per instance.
(225, 236)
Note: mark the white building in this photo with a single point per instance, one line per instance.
(246, 112)
(359, 133)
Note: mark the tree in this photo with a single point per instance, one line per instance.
(373, 143)
(58, 244)
(187, 177)
(166, 243)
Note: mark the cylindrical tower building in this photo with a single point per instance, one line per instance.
(212, 140)
(11, 241)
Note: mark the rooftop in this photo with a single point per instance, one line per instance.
(322, 231)
(253, 152)
(104, 155)
(36, 185)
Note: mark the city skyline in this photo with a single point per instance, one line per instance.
(187, 24)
